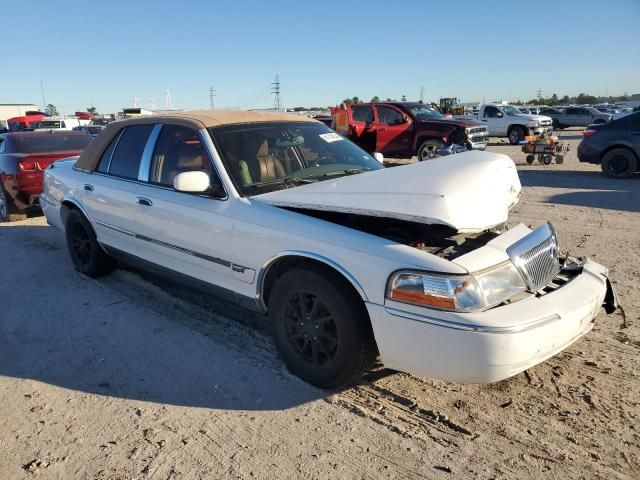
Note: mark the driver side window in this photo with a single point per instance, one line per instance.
(177, 150)
(491, 112)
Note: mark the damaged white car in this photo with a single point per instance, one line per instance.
(349, 261)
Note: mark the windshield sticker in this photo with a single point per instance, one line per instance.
(330, 137)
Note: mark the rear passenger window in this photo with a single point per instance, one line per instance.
(362, 114)
(127, 156)
(103, 165)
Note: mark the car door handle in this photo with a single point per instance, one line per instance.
(144, 201)
(484, 121)
(88, 187)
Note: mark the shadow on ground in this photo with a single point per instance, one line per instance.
(120, 336)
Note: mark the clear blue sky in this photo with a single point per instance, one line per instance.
(107, 52)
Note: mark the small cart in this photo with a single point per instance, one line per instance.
(546, 147)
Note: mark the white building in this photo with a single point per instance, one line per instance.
(10, 110)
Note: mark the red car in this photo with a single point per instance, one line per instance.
(30, 120)
(23, 157)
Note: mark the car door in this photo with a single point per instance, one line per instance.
(392, 130)
(494, 119)
(572, 116)
(361, 127)
(109, 194)
(188, 233)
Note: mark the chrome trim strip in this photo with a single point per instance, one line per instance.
(299, 253)
(147, 153)
(465, 327)
(202, 256)
(117, 229)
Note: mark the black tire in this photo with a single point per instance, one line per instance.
(428, 149)
(8, 210)
(516, 134)
(87, 255)
(547, 159)
(619, 163)
(559, 159)
(555, 124)
(321, 328)
(530, 159)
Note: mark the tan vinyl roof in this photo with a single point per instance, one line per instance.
(195, 119)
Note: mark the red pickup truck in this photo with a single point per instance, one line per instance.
(405, 129)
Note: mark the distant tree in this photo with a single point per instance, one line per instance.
(584, 98)
(565, 100)
(553, 100)
(92, 110)
(389, 100)
(299, 109)
(533, 101)
(403, 98)
(356, 99)
(375, 99)
(51, 110)
(624, 97)
(347, 101)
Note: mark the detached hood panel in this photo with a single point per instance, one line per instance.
(470, 191)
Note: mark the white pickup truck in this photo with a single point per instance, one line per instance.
(346, 259)
(508, 121)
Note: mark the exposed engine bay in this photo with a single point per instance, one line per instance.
(440, 240)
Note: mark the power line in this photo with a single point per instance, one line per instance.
(277, 101)
(212, 93)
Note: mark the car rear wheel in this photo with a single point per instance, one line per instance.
(320, 328)
(87, 255)
(555, 124)
(8, 211)
(619, 163)
(428, 150)
(516, 134)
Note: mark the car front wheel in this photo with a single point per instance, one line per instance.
(428, 150)
(619, 163)
(87, 255)
(320, 328)
(516, 134)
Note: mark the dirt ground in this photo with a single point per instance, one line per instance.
(128, 378)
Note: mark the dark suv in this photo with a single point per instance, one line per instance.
(615, 146)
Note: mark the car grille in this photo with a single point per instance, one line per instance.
(481, 130)
(536, 257)
(479, 139)
(545, 123)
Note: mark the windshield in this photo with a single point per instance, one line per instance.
(46, 143)
(49, 124)
(424, 112)
(270, 156)
(511, 110)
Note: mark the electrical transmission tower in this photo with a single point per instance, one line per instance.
(167, 100)
(212, 93)
(277, 101)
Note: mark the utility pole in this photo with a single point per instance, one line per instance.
(44, 104)
(152, 104)
(212, 93)
(539, 94)
(167, 100)
(421, 94)
(277, 101)
(135, 101)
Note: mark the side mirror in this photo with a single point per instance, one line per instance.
(378, 156)
(192, 182)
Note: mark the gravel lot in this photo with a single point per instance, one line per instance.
(128, 378)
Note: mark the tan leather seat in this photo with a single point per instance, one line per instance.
(271, 167)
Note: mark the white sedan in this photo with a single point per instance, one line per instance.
(348, 260)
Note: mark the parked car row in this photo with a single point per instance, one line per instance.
(347, 260)
(576, 116)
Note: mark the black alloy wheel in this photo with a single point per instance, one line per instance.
(87, 255)
(619, 163)
(311, 328)
(320, 327)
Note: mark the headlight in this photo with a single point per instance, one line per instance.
(461, 293)
(533, 124)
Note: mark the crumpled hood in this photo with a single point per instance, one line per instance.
(470, 191)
